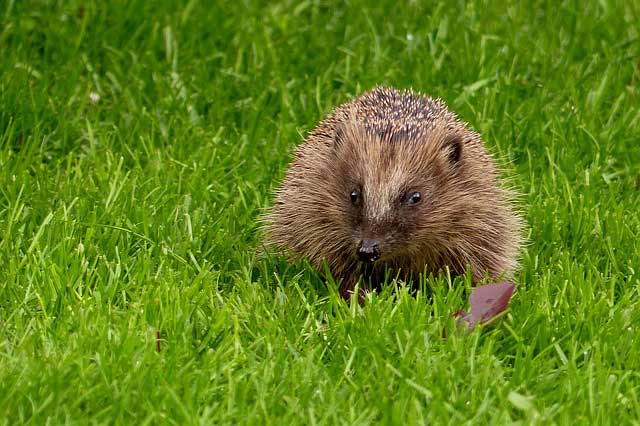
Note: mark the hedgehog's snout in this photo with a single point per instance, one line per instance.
(368, 250)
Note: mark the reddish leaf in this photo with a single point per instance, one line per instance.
(486, 302)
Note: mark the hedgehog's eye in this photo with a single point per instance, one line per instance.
(414, 198)
(355, 196)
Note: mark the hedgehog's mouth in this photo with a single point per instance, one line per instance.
(373, 274)
(367, 269)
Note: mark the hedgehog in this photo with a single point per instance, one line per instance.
(393, 182)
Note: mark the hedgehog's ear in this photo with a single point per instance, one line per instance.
(453, 145)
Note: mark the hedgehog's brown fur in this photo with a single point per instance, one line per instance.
(387, 143)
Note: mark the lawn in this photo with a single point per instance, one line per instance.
(141, 140)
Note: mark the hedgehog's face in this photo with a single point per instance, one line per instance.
(388, 189)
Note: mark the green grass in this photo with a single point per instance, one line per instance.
(137, 213)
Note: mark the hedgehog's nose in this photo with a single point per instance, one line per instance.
(368, 251)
